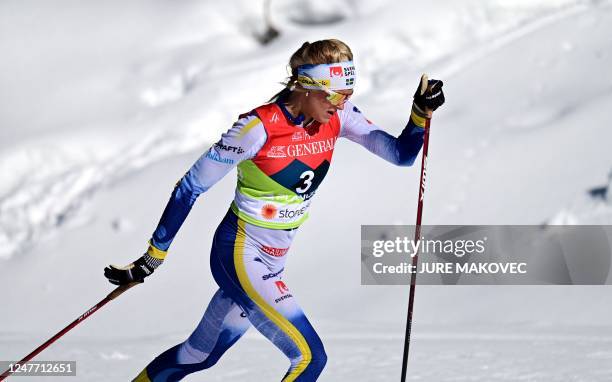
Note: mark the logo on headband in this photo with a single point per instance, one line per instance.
(349, 71)
(313, 82)
(335, 71)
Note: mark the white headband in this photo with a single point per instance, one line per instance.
(336, 76)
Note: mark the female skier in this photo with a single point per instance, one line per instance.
(283, 150)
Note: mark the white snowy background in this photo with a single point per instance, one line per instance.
(104, 105)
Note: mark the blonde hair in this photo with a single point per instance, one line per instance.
(319, 52)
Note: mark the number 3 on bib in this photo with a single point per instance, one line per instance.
(306, 177)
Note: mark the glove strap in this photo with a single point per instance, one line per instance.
(154, 257)
(152, 262)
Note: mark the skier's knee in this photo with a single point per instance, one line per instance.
(187, 354)
(311, 363)
(318, 360)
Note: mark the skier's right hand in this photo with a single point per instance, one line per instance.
(133, 272)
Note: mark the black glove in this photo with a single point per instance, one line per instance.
(134, 272)
(429, 94)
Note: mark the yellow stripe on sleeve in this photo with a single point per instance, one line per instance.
(249, 126)
(417, 119)
(156, 253)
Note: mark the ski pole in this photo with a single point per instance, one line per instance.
(112, 295)
(415, 259)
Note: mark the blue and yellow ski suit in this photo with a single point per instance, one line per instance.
(280, 165)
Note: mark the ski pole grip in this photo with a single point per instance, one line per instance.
(120, 289)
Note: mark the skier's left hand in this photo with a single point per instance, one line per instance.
(428, 96)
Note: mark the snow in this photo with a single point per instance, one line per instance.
(104, 106)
